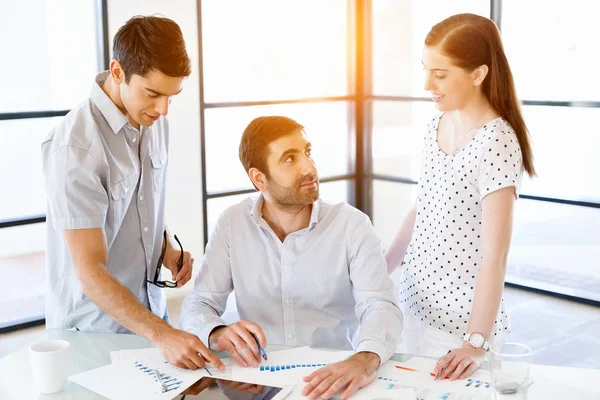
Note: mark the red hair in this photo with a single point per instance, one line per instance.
(471, 41)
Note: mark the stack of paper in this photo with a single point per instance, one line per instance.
(410, 380)
(132, 375)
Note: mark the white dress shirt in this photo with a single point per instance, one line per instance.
(324, 286)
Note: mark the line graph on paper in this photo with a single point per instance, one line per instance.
(171, 383)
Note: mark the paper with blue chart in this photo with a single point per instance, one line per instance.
(131, 375)
(417, 373)
(287, 367)
(154, 354)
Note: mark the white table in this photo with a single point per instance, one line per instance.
(92, 350)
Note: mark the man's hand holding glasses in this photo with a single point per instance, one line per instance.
(179, 262)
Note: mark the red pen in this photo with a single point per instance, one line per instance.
(442, 370)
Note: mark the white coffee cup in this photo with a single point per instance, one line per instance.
(49, 361)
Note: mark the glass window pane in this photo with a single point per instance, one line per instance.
(399, 30)
(272, 49)
(333, 192)
(563, 47)
(21, 166)
(398, 134)
(45, 73)
(556, 247)
(326, 125)
(391, 203)
(565, 148)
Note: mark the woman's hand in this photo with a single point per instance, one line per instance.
(459, 363)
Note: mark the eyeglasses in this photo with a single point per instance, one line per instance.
(167, 284)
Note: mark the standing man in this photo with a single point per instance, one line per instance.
(105, 176)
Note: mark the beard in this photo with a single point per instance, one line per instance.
(294, 197)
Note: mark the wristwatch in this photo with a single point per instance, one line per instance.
(477, 340)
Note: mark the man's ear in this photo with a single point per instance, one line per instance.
(479, 74)
(116, 72)
(258, 178)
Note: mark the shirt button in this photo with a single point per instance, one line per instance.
(290, 335)
(134, 140)
(146, 229)
(141, 197)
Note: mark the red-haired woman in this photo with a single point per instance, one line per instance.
(454, 243)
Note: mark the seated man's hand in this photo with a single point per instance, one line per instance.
(184, 349)
(351, 374)
(238, 341)
(199, 386)
(242, 387)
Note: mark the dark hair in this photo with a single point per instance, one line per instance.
(151, 43)
(471, 41)
(258, 135)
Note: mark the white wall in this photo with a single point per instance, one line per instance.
(184, 194)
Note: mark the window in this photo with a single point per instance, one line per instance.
(43, 73)
(565, 147)
(43, 79)
(275, 58)
(325, 125)
(563, 50)
(554, 245)
(274, 50)
(399, 30)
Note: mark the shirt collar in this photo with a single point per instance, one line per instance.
(256, 210)
(109, 110)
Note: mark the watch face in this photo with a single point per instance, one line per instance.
(477, 340)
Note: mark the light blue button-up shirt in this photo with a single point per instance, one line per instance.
(324, 286)
(101, 172)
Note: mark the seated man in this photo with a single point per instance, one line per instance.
(305, 272)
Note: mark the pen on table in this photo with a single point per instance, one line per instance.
(263, 354)
(163, 387)
(442, 370)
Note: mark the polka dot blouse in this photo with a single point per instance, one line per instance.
(443, 259)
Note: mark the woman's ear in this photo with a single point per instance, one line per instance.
(479, 74)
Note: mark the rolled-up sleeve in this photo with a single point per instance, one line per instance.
(76, 197)
(376, 306)
(202, 309)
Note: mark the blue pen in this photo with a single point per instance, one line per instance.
(263, 354)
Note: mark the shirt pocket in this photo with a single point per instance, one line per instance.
(120, 195)
(159, 163)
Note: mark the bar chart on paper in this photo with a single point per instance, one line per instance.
(417, 373)
(288, 367)
(283, 367)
